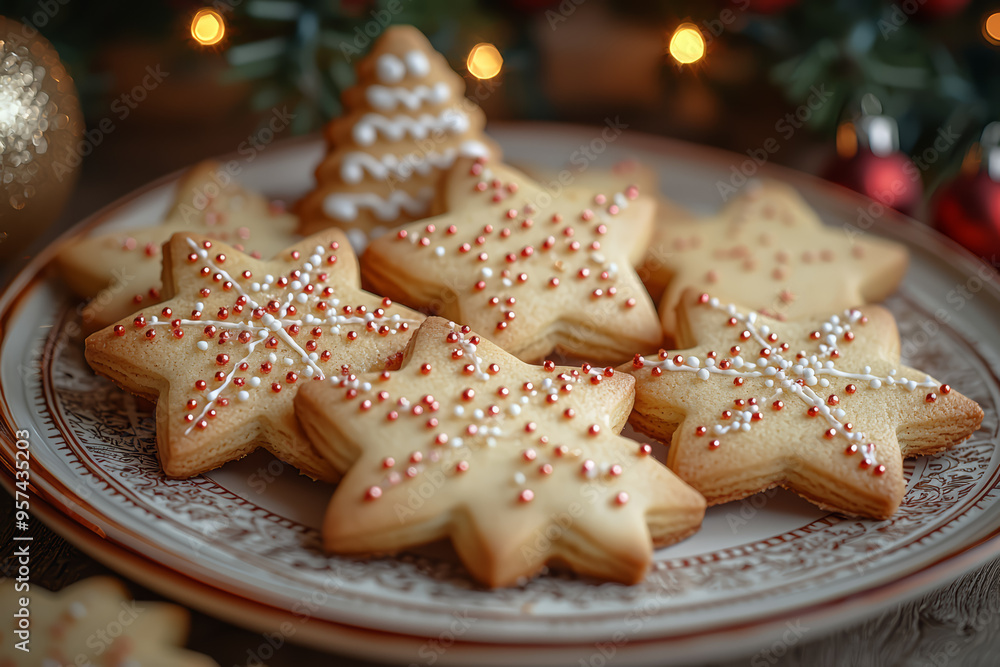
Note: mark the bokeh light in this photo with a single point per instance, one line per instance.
(991, 28)
(484, 61)
(687, 44)
(208, 27)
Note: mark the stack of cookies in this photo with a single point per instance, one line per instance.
(762, 365)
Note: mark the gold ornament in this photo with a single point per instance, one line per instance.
(40, 124)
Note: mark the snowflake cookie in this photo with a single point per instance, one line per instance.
(531, 269)
(820, 405)
(518, 465)
(236, 337)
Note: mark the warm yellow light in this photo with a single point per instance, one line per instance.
(687, 45)
(847, 141)
(991, 28)
(208, 27)
(484, 61)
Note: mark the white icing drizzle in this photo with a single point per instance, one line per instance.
(355, 163)
(795, 376)
(387, 98)
(366, 130)
(269, 325)
(345, 206)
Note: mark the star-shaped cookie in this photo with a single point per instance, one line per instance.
(533, 270)
(519, 465)
(819, 405)
(224, 355)
(768, 250)
(118, 272)
(92, 622)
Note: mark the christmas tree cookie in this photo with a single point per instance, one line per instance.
(118, 272)
(820, 405)
(532, 271)
(519, 465)
(405, 122)
(768, 250)
(235, 338)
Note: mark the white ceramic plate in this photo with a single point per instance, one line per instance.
(242, 542)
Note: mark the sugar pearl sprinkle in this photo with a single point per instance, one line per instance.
(806, 384)
(495, 418)
(270, 332)
(524, 244)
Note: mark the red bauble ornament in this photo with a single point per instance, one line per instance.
(892, 179)
(938, 9)
(968, 211)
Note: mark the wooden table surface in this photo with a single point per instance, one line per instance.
(958, 625)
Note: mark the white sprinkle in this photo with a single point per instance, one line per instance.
(302, 297)
(272, 357)
(703, 374)
(486, 272)
(519, 478)
(514, 409)
(459, 411)
(289, 361)
(244, 395)
(439, 251)
(254, 382)
(202, 345)
(875, 383)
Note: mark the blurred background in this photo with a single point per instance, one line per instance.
(865, 92)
